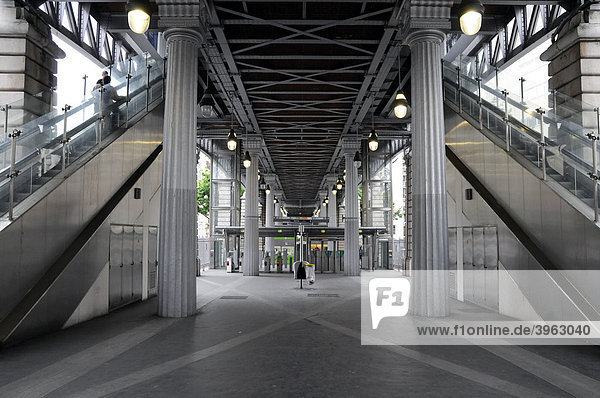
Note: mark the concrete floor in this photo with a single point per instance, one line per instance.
(262, 337)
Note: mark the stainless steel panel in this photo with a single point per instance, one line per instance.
(478, 266)
(468, 264)
(127, 282)
(550, 221)
(115, 272)
(52, 223)
(478, 248)
(532, 217)
(452, 248)
(573, 238)
(491, 247)
(138, 245)
(152, 257)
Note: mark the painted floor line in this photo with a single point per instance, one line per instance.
(565, 378)
(459, 370)
(145, 374)
(58, 374)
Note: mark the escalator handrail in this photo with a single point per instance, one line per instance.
(55, 143)
(581, 165)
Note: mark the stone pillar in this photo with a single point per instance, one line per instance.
(251, 252)
(332, 207)
(430, 215)
(269, 208)
(178, 213)
(322, 205)
(277, 211)
(28, 66)
(351, 242)
(575, 72)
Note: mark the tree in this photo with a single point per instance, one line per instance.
(204, 192)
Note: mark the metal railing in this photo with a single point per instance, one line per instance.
(551, 137)
(36, 151)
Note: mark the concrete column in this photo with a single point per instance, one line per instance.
(251, 252)
(269, 208)
(332, 207)
(277, 206)
(177, 243)
(430, 215)
(351, 242)
(322, 205)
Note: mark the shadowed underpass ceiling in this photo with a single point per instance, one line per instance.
(310, 71)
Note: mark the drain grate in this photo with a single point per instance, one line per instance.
(323, 295)
(234, 297)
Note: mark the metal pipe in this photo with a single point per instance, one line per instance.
(64, 137)
(13, 172)
(460, 106)
(128, 77)
(148, 67)
(594, 174)
(100, 118)
(84, 85)
(479, 102)
(595, 163)
(507, 126)
(5, 109)
(542, 142)
(497, 85)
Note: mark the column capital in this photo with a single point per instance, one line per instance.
(322, 194)
(425, 14)
(270, 179)
(421, 35)
(331, 179)
(350, 145)
(178, 33)
(253, 145)
(277, 192)
(183, 14)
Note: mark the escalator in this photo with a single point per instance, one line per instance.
(535, 166)
(70, 173)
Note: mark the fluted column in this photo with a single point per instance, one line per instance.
(269, 207)
(351, 225)
(178, 237)
(430, 216)
(332, 207)
(251, 252)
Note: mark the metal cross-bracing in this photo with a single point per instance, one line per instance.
(508, 29)
(298, 75)
(98, 28)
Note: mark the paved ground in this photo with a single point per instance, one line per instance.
(263, 337)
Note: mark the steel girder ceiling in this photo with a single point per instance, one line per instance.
(308, 73)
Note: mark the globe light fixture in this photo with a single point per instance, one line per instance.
(334, 190)
(247, 162)
(268, 189)
(326, 199)
(339, 183)
(138, 15)
(400, 106)
(471, 16)
(232, 140)
(373, 141)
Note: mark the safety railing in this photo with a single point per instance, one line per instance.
(552, 137)
(36, 151)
